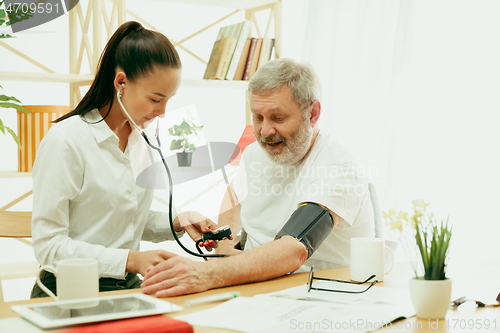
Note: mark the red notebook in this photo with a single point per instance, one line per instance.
(152, 324)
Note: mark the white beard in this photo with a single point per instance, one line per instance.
(294, 149)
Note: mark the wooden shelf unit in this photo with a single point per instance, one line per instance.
(96, 15)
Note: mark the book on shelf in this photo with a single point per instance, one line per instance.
(238, 50)
(230, 41)
(248, 64)
(255, 60)
(227, 51)
(266, 51)
(219, 58)
(238, 75)
(261, 50)
(212, 64)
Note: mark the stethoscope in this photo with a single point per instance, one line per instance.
(171, 190)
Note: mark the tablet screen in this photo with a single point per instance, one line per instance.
(90, 310)
(103, 307)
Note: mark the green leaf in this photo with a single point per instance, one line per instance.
(186, 127)
(433, 241)
(3, 14)
(176, 144)
(6, 35)
(190, 146)
(178, 131)
(14, 136)
(13, 106)
(2, 128)
(19, 16)
(175, 131)
(5, 98)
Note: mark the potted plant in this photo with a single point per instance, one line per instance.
(184, 132)
(430, 292)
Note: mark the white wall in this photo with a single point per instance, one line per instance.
(432, 131)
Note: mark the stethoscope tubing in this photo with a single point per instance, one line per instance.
(171, 190)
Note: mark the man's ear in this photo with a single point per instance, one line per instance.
(315, 112)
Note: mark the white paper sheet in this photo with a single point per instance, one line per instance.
(317, 311)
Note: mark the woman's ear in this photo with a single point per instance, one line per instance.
(120, 80)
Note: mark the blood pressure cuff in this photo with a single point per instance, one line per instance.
(310, 224)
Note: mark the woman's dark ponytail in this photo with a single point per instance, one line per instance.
(135, 50)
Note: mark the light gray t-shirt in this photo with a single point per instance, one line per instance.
(269, 193)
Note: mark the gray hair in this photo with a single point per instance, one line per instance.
(300, 77)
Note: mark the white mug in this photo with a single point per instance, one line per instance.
(368, 258)
(76, 278)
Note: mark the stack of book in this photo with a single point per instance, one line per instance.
(235, 55)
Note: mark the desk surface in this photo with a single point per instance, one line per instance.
(398, 278)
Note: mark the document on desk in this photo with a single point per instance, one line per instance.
(296, 310)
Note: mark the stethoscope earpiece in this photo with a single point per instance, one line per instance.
(121, 88)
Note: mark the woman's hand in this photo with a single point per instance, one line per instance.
(139, 262)
(195, 225)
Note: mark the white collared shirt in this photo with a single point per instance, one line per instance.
(86, 203)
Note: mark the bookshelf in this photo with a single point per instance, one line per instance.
(90, 44)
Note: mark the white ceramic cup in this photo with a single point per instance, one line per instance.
(76, 278)
(368, 257)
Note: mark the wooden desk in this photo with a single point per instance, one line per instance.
(398, 279)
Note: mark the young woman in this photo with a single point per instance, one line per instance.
(86, 203)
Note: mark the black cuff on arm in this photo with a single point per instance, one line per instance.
(310, 224)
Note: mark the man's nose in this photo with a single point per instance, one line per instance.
(267, 129)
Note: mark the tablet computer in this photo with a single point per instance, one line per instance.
(68, 313)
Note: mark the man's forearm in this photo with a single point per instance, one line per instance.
(271, 260)
(178, 275)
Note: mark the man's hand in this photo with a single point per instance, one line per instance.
(178, 276)
(195, 225)
(139, 262)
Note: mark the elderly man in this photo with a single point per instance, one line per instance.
(286, 180)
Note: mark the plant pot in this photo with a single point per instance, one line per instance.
(430, 298)
(184, 159)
